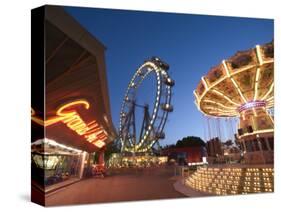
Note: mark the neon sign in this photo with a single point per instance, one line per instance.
(92, 131)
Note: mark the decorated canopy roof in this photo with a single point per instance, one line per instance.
(243, 81)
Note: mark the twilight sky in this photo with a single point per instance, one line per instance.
(190, 44)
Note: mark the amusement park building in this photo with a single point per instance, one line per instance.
(71, 118)
(185, 155)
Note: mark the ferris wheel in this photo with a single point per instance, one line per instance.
(153, 122)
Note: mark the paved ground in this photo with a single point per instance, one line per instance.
(188, 191)
(156, 183)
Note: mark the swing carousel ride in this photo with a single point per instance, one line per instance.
(242, 87)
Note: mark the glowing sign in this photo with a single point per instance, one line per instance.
(92, 131)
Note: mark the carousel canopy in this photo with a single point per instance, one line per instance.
(241, 82)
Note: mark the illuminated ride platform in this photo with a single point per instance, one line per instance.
(241, 86)
(231, 180)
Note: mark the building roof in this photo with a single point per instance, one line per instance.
(74, 70)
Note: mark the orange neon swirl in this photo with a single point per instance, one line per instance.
(92, 132)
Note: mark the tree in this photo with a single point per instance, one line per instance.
(190, 141)
(228, 143)
(112, 147)
(168, 146)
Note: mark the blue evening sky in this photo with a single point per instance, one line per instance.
(190, 44)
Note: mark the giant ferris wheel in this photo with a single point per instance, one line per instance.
(155, 113)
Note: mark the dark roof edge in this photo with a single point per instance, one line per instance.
(69, 25)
